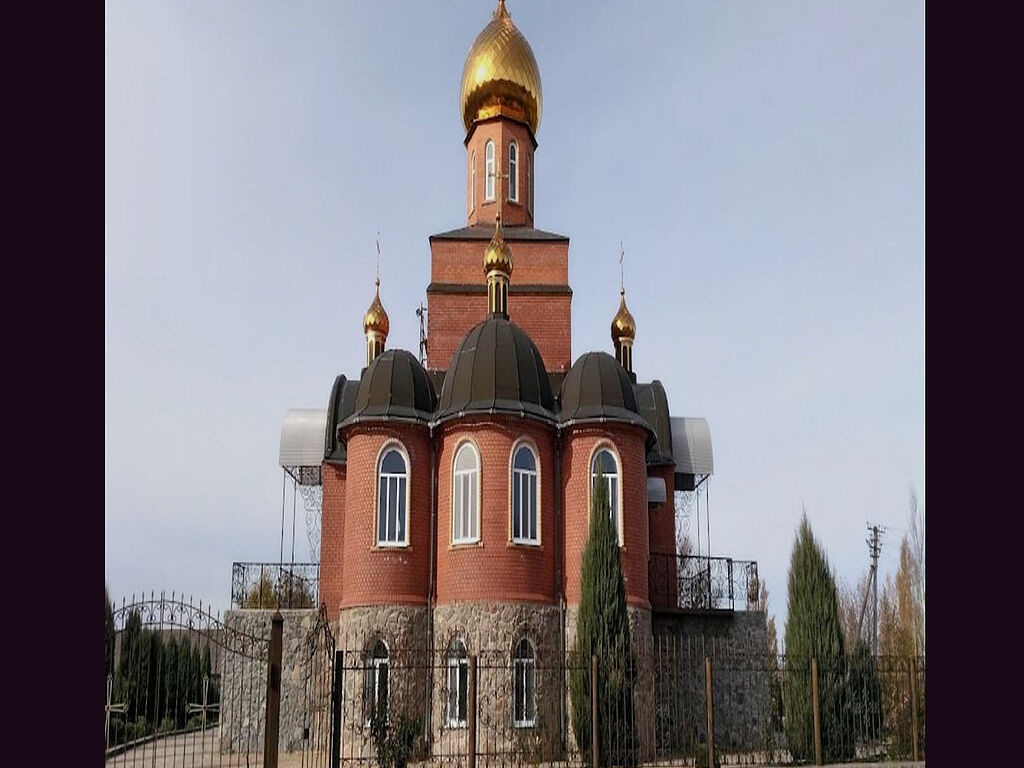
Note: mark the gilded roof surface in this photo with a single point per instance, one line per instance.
(500, 76)
(376, 319)
(623, 324)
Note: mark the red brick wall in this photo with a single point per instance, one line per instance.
(503, 132)
(373, 575)
(494, 568)
(577, 450)
(462, 261)
(663, 539)
(546, 318)
(332, 525)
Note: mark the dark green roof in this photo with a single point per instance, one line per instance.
(393, 388)
(598, 389)
(653, 406)
(339, 407)
(496, 369)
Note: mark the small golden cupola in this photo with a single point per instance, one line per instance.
(376, 326)
(623, 333)
(500, 76)
(498, 269)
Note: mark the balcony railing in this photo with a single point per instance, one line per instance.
(275, 585)
(700, 583)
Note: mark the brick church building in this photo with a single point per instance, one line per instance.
(456, 494)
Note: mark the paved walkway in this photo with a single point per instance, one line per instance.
(194, 750)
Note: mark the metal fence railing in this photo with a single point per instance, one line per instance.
(701, 583)
(275, 585)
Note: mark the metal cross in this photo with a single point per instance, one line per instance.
(119, 709)
(378, 257)
(191, 709)
(622, 269)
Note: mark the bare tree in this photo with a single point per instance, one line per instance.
(915, 542)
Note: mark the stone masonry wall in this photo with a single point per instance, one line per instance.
(244, 682)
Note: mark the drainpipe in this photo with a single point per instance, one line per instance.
(559, 538)
(430, 593)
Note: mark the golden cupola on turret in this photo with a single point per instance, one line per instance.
(376, 326)
(623, 333)
(498, 269)
(501, 76)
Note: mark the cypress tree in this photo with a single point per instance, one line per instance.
(184, 675)
(603, 629)
(813, 630)
(111, 633)
(170, 685)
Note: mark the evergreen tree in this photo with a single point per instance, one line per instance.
(603, 629)
(111, 633)
(864, 692)
(129, 665)
(813, 630)
(184, 675)
(170, 684)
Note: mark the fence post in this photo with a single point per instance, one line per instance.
(912, 671)
(594, 741)
(817, 712)
(471, 714)
(708, 697)
(273, 715)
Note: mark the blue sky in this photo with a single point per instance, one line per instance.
(762, 162)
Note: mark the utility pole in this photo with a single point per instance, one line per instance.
(874, 547)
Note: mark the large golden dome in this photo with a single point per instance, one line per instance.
(501, 75)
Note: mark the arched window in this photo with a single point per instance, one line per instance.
(392, 499)
(524, 496)
(605, 459)
(472, 181)
(529, 184)
(524, 667)
(458, 683)
(465, 496)
(489, 171)
(375, 680)
(513, 175)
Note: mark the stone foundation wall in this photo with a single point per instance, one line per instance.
(741, 679)
(244, 682)
(491, 631)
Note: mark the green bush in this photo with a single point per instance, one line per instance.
(392, 743)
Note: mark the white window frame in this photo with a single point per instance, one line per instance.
(468, 490)
(375, 664)
(489, 171)
(517, 476)
(455, 664)
(523, 667)
(513, 171)
(472, 182)
(392, 445)
(616, 507)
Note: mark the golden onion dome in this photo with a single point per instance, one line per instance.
(501, 75)
(376, 319)
(623, 324)
(498, 256)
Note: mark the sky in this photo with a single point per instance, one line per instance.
(763, 164)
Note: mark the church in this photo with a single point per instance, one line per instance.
(456, 489)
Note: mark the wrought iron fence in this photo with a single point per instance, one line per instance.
(676, 702)
(701, 583)
(275, 585)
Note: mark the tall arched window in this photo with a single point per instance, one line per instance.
(375, 680)
(458, 683)
(489, 171)
(524, 667)
(513, 175)
(472, 181)
(524, 496)
(605, 459)
(392, 499)
(529, 184)
(465, 496)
